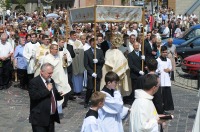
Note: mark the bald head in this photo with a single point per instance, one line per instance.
(136, 46)
(170, 40)
(4, 38)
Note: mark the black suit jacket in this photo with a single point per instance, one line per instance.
(104, 47)
(40, 102)
(148, 50)
(71, 51)
(89, 65)
(135, 64)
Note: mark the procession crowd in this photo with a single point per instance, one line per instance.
(54, 68)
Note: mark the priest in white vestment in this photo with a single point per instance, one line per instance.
(41, 52)
(143, 115)
(59, 75)
(116, 61)
(29, 53)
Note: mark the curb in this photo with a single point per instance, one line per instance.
(185, 87)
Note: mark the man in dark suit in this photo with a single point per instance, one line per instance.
(105, 45)
(43, 97)
(89, 62)
(150, 48)
(135, 65)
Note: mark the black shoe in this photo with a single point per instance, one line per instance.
(86, 105)
(72, 97)
(166, 113)
(8, 85)
(1, 87)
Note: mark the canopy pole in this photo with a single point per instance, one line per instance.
(95, 81)
(143, 24)
(67, 26)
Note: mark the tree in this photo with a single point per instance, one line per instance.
(5, 4)
(21, 2)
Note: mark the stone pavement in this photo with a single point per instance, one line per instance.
(14, 106)
(185, 80)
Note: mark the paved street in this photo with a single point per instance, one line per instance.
(14, 105)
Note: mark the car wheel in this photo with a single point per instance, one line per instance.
(179, 60)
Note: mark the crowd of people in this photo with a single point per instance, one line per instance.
(55, 68)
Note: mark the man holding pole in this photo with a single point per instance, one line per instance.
(89, 60)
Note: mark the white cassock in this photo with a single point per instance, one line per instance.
(143, 116)
(164, 76)
(59, 76)
(29, 53)
(112, 113)
(90, 123)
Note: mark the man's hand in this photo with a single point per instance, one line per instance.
(95, 61)
(65, 56)
(3, 58)
(141, 72)
(153, 52)
(49, 86)
(142, 57)
(61, 93)
(94, 75)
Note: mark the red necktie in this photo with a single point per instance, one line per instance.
(53, 103)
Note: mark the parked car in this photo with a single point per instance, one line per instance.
(188, 34)
(187, 48)
(191, 64)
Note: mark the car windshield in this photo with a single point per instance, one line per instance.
(189, 41)
(186, 32)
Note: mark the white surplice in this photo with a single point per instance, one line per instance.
(143, 116)
(90, 125)
(112, 113)
(164, 76)
(29, 53)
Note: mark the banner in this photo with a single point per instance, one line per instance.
(82, 15)
(119, 14)
(107, 14)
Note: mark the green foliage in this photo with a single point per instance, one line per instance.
(21, 2)
(5, 4)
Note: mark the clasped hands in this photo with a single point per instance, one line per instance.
(167, 70)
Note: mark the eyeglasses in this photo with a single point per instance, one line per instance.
(131, 27)
(78, 29)
(164, 52)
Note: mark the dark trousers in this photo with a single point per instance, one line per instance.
(49, 128)
(168, 103)
(158, 101)
(30, 76)
(23, 77)
(5, 71)
(133, 84)
(91, 90)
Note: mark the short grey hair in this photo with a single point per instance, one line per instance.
(45, 65)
